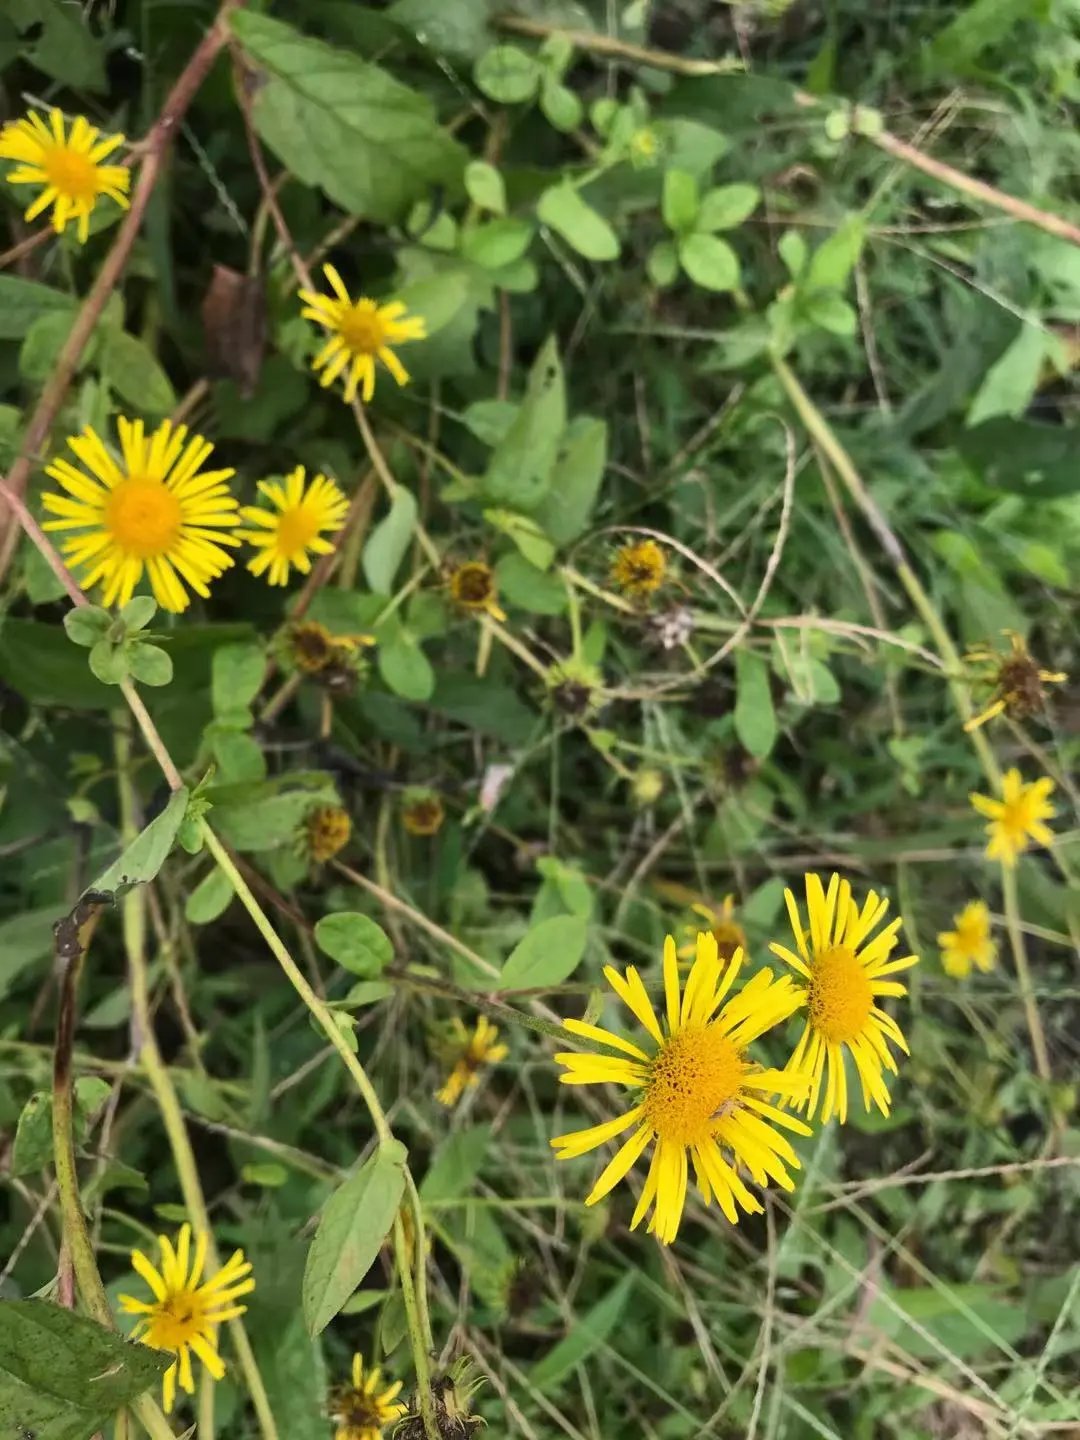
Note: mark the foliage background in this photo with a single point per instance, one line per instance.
(936, 337)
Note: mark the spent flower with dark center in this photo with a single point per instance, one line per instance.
(1015, 680)
(575, 688)
(326, 831)
(422, 812)
(472, 586)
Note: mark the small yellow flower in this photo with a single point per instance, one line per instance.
(326, 831)
(313, 649)
(638, 570)
(724, 928)
(696, 1096)
(186, 1311)
(422, 812)
(1015, 679)
(363, 331)
(647, 785)
(358, 1410)
(845, 974)
(644, 147)
(156, 510)
(472, 586)
(69, 166)
(971, 943)
(472, 1052)
(1017, 818)
(293, 531)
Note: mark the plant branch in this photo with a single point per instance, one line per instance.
(613, 48)
(153, 151)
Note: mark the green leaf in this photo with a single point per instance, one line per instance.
(978, 26)
(355, 942)
(405, 669)
(87, 624)
(562, 208)
(137, 613)
(755, 718)
(548, 955)
(210, 898)
(1020, 456)
(236, 676)
(680, 201)
(792, 250)
(526, 534)
(389, 541)
(833, 261)
(519, 471)
(144, 857)
(354, 1223)
(485, 187)
(133, 371)
(336, 121)
(497, 242)
(829, 311)
(455, 1165)
(589, 1332)
(62, 1377)
(507, 74)
(24, 301)
(238, 755)
(662, 264)
(576, 477)
(33, 1147)
(61, 45)
(561, 106)
(294, 1370)
(43, 343)
(25, 939)
(109, 662)
(150, 665)
(726, 206)
(522, 584)
(262, 822)
(709, 262)
(1012, 381)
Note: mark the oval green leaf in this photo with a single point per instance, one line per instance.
(563, 209)
(355, 942)
(548, 954)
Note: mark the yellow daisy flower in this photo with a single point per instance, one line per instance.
(69, 166)
(1015, 679)
(155, 510)
(472, 586)
(724, 928)
(473, 1052)
(184, 1313)
(844, 971)
(363, 332)
(295, 532)
(639, 569)
(971, 943)
(1017, 818)
(697, 1097)
(358, 1410)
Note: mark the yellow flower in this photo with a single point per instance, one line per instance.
(326, 830)
(184, 1313)
(156, 511)
(295, 532)
(363, 332)
(422, 812)
(844, 971)
(69, 167)
(472, 586)
(696, 1094)
(971, 943)
(724, 928)
(1015, 679)
(313, 649)
(639, 569)
(1017, 818)
(473, 1052)
(358, 1410)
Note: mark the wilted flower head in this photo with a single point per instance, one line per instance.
(1015, 680)
(326, 831)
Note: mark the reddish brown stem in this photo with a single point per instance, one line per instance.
(153, 150)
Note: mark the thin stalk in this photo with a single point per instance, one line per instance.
(420, 1260)
(133, 919)
(416, 1336)
(1023, 974)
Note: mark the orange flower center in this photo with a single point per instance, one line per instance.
(144, 517)
(840, 996)
(297, 527)
(697, 1071)
(362, 330)
(70, 173)
(729, 937)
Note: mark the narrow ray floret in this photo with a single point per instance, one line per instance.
(696, 1096)
(69, 166)
(296, 526)
(360, 1411)
(844, 966)
(184, 1314)
(361, 333)
(153, 509)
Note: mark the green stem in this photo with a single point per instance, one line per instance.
(420, 1261)
(133, 917)
(416, 1337)
(1023, 974)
